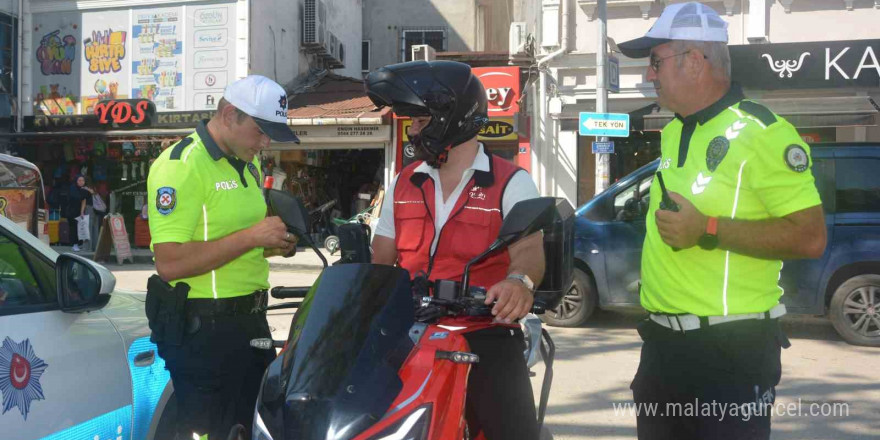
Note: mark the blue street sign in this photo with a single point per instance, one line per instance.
(603, 147)
(604, 124)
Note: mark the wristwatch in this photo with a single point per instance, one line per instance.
(523, 279)
(709, 239)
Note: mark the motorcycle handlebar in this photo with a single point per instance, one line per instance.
(289, 292)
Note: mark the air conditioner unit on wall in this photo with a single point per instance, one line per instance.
(314, 16)
(422, 52)
(332, 54)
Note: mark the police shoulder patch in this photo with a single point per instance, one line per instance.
(166, 200)
(796, 158)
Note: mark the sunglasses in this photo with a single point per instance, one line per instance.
(655, 62)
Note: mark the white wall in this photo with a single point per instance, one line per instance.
(275, 35)
(384, 20)
(345, 20)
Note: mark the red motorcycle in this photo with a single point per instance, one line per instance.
(363, 362)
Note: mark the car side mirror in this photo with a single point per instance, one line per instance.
(631, 210)
(83, 285)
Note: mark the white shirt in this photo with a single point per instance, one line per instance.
(521, 187)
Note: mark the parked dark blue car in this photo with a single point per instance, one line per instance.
(844, 282)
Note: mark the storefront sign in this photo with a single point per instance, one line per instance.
(827, 64)
(128, 112)
(498, 129)
(180, 58)
(93, 122)
(324, 134)
(502, 86)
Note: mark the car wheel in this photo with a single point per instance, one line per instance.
(577, 305)
(331, 243)
(855, 310)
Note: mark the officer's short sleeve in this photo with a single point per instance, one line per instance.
(521, 187)
(780, 171)
(176, 196)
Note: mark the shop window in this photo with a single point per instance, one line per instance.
(435, 38)
(365, 56)
(858, 189)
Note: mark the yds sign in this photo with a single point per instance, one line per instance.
(125, 112)
(502, 89)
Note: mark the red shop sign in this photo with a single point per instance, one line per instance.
(502, 89)
(125, 112)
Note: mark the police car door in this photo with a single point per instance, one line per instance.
(62, 375)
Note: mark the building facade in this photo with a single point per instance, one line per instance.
(812, 61)
(104, 86)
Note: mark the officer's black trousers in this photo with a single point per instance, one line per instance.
(217, 374)
(717, 382)
(499, 393)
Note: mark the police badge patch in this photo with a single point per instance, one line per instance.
(716, 151)
(253, 169)
(796, 158)
(20, 373)
(166, 200)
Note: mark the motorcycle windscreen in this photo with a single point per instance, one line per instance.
(346, 346)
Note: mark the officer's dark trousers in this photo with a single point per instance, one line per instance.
(717, 382)
(499, 393)
(216, 374)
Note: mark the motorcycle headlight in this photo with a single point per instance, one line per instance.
(412, 427)
(261, 432)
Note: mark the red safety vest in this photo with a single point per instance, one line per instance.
(472, 226)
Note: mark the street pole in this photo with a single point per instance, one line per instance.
(602, 160)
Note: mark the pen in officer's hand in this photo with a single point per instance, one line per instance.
(666, 203)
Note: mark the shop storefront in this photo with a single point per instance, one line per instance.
(344, 158)
(114, 153)
(506, 134)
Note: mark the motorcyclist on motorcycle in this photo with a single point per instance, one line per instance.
(445, 209)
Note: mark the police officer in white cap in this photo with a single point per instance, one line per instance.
(740, 199)
(211, 237)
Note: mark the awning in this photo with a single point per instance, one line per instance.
(335, 100)
(837, 111)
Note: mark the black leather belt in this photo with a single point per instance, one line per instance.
(255, 302)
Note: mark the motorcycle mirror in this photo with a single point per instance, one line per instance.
(291, 210)
(526, 218)
(294, 215)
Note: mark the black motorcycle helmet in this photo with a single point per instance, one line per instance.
(445, 90)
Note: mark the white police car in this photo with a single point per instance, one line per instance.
(76, 361)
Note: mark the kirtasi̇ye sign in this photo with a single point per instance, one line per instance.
(140, 117)
(498, 129)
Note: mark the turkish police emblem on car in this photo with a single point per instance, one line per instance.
(796, 158)
(166, 200)
(20, 372)
(715, 153)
